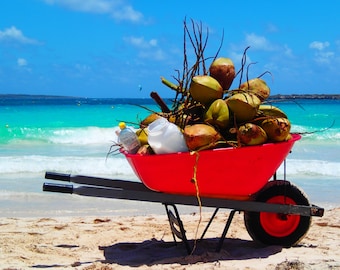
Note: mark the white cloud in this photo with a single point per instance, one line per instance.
(236, 57)
(118, 9)
(140, 42)
(126, 13)
(319, 45)
(258, 42)
(321, 54)
(288, 51)
(153, 42)
(14, 34)
(95, 6)
(152, 54)
(23, 65)
(324, 57)
(22, 62)
(147, 48)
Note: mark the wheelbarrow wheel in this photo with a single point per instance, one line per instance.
(276, 228)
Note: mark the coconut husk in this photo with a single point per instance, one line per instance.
(205, 89)
(270, 110)
(258, 87)
(251, 134)
(201, 136)
(244, 106)
(277, 129)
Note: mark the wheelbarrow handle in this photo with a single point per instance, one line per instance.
(58, 176)
(58, 188)
(96, 181)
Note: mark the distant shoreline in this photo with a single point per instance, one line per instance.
(278, 96)
(306, 96)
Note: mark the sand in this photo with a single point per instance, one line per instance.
(145, 242)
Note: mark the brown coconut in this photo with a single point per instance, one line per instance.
(277, 129)
(149, 119)
(251, 134)
(223, 70)
(257, 86)
(200, 136)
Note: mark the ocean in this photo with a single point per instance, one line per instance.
(74, 135)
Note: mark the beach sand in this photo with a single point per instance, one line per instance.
(145, 242)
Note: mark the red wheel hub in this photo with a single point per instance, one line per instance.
(276, 224)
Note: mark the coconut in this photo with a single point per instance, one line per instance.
(277, 129)
(145, 150)
(270, 110)
(180, 119)
(205, 89)
(149, 119)
(217, 114)
(223, 70)
(257, 86)
(142, 134)
(200, 136)
(251, 134)
(244, 106)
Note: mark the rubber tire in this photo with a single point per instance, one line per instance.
(275, 228)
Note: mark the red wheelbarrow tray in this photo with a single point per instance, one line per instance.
(229, 173)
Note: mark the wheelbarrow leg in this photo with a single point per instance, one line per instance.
(175, 220)
(209, 223)
(220, 243)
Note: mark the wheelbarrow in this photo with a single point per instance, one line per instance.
(276, 212)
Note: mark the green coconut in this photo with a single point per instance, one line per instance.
(277, 129)
(217, 114)
(244, 106)
(142, 134)
(205, 89)
(257, 86)
(251, 134)
(270, 110)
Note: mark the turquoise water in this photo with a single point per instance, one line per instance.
(74, 136)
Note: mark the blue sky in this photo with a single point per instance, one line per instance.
(118, 48)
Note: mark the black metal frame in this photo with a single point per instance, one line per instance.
(175, 220)
(129, 190)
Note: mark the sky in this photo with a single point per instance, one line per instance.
(121, 48)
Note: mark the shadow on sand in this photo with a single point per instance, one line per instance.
(154, 251)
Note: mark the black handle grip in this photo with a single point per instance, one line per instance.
(58, 188)
(58, 176)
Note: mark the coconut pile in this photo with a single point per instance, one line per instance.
(210, 114)
(214, 116)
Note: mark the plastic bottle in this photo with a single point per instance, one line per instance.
(128, 139)
(165, 137)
